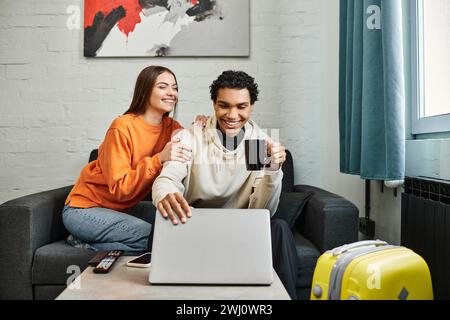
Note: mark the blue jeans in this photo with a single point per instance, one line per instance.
(105, 229)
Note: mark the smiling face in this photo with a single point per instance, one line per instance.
(164, 95)
(233, 109)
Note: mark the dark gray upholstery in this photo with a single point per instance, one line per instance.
(35, 257)
(307, 256)
(26, 224)
(327, 220)
(51, 262)
(47, 292)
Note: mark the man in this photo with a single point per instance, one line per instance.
(217, 177)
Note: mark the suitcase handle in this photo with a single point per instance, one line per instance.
(347, 247)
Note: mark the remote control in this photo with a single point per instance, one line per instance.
(97, 258)
(107, 262)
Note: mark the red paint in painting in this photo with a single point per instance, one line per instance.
(194, 2)
(126, 24)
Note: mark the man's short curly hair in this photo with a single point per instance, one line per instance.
(235, 80)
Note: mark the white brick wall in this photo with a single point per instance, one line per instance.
(56, 105)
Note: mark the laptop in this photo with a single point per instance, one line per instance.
(215, 246)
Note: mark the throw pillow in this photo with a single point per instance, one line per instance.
(291, 205)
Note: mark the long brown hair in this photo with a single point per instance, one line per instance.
(144, 88)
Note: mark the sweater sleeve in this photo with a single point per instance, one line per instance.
(169, 181)
(124, 181)
(173, 173)
(266, 191)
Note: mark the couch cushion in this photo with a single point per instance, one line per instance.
(44, 292)
(51, 261)
(291, 205)
(307, 258)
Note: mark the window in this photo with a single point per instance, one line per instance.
(430, 44)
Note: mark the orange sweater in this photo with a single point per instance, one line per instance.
(128, 163)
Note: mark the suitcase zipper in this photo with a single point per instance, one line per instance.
(337, 273)
(345, 248)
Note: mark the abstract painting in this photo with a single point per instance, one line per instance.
(142, 28)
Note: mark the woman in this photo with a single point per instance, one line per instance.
(130, 158)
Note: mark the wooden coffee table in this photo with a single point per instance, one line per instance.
(126, 283)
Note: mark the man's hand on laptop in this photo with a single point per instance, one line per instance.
(174, 205)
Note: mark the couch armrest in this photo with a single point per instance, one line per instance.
(26, 224)
(328, 220)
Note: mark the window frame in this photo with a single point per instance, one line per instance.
(421, 125)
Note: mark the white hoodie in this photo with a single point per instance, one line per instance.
(217, 177)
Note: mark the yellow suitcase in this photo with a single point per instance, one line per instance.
(371, 270)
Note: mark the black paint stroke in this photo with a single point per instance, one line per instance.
(147, 4)
(200, 8)
(95, 35)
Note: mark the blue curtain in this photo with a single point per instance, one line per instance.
(371, 89)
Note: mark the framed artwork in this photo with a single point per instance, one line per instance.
(142, 28)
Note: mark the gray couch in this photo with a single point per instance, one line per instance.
(34, 257)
